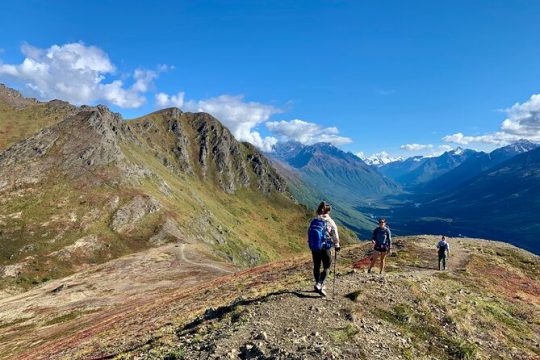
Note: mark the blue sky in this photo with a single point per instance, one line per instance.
(369, 76)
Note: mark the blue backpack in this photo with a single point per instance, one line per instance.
(318, 238)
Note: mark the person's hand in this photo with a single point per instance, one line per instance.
(338, 248)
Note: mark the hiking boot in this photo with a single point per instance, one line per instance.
(317, 287)
(323, 291)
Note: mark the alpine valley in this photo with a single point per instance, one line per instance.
(163, 237)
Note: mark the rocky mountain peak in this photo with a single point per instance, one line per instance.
(197, 144)
(172, 112)
(14, 97)
(522, 146)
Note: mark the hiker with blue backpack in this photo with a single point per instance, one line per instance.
(382, 243)
(444, 252)
(322, 236)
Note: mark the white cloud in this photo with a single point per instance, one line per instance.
(306, 132)
(522, 122)
(497, 138)
(240, 116)
(416, 147)
(445, 148)
(77, 73)
(164, 100)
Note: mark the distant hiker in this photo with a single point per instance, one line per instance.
(322, 236)
(382, 242)
(444, 252)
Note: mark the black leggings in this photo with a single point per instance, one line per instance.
(324, 256)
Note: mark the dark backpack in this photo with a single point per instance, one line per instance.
(442, 248)
(318, 238)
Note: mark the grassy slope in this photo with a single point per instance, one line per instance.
(307, 193)
(252, 228)
(262, 226)
(486, 306)
(17, 124)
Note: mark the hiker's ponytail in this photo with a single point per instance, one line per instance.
(323, 208)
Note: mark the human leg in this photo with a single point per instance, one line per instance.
(326, 257)
(383, 257)
(316, 265)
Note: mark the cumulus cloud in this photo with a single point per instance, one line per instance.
(240, 116)
(445, 148)
(77, 73)
(522, 122)
(416, 147)
(164, 100)
(497, 138)
(306, 132)
(243, 117)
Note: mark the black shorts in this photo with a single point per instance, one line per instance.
(381, 248)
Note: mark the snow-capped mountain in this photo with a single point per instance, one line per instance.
(379, 159)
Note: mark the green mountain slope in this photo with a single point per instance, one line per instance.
(94, 187)
(324, 172)
(21, 117)
(309, 195)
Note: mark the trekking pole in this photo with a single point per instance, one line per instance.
(334, 286)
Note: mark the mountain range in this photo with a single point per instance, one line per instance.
(420, 194)
(461, 191)
(322, 171)
(165, 237)
(500, 202)
(418, 170)
(474, 165)
(89, 186)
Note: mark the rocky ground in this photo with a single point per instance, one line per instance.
(485, 306)
(412, 312)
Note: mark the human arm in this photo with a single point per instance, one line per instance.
(334, 234)
(389, 238)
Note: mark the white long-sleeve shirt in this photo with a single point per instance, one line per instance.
(331, 227)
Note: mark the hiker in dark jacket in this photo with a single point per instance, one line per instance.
(444, 252)
(324, 255)
(382, 242)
